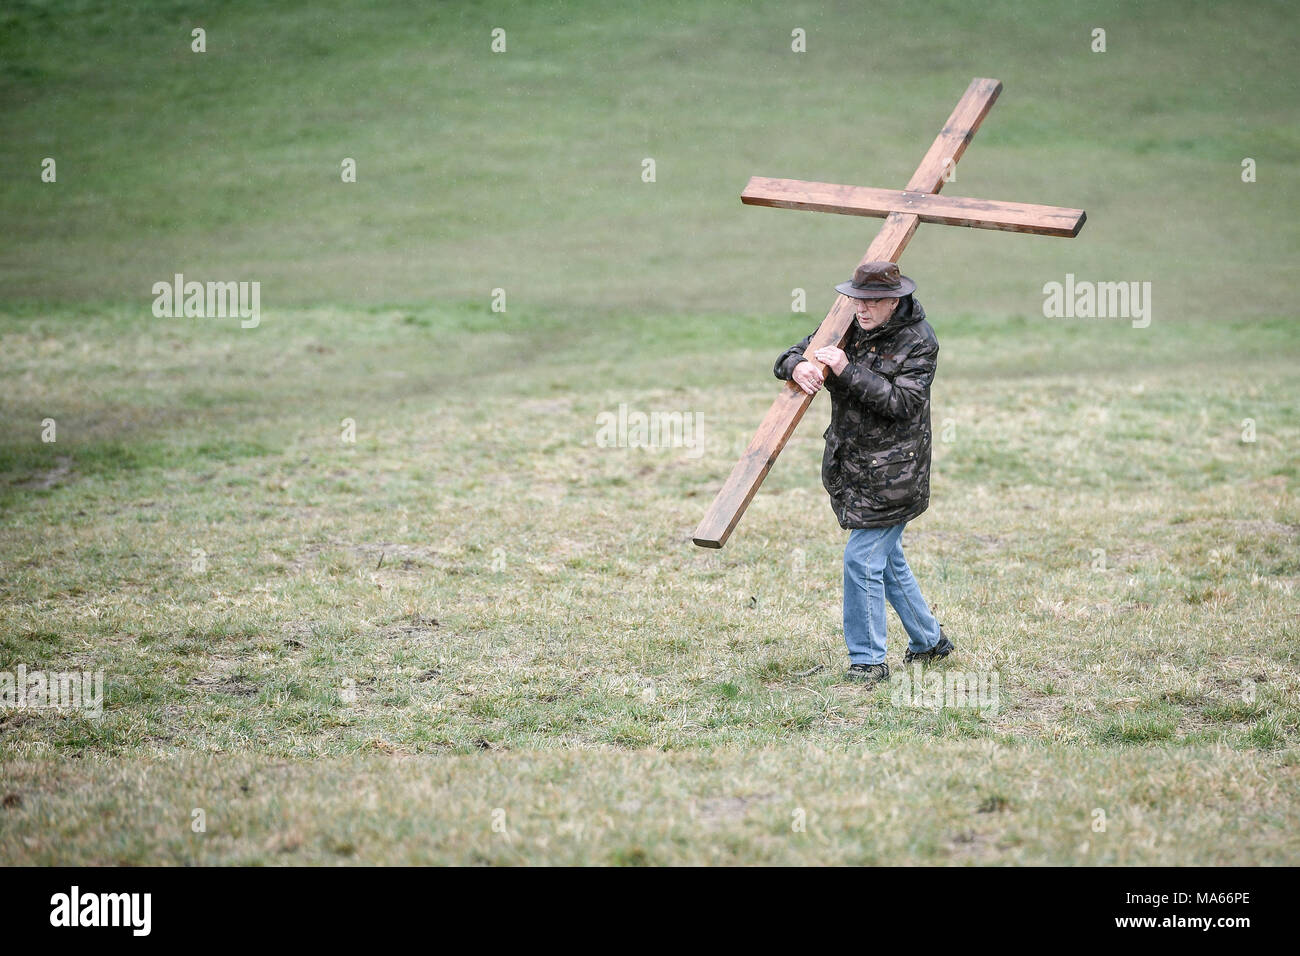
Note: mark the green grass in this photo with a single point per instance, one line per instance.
(360, 652)
(522, 170)
(956, 802)
(492, 585)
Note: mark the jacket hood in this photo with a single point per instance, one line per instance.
(908, 312)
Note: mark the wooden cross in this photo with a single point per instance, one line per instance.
(902, 210)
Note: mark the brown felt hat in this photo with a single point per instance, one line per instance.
(877, 280)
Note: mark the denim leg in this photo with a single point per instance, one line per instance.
(901, 588)
(865, 557)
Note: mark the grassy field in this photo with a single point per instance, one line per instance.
(475, 634)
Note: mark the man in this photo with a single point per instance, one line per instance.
(876, 466)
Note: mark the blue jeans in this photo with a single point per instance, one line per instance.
(875, 569)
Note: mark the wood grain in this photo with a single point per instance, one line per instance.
(949, 210)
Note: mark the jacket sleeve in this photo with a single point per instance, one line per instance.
(790, 358)
(900, 397)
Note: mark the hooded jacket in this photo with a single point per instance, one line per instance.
(876, 466)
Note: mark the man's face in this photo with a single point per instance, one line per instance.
(873, 313)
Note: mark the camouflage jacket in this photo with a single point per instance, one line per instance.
(876, 466)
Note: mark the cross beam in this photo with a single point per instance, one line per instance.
(927, 207)
(902, 211)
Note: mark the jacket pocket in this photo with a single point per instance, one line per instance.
(892, 477)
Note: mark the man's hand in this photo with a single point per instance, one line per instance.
(807, 376)
(833, 357)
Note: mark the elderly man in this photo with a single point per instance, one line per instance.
(876, 466)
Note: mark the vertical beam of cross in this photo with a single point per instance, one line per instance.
(788, 409)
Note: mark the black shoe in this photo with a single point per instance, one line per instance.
(869, 674)
(941, 649)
